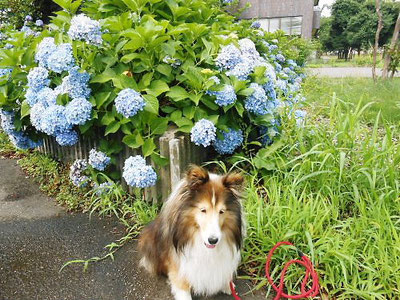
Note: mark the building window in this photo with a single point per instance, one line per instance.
(290, 25)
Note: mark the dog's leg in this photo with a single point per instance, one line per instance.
(180, 288)
(227, 289)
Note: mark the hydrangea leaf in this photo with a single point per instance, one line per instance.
(148, 147)
(159, 125)
(157, 87)
(177, 93)
(25, 109)
(112, 127)
(152, 104)
(134, 140)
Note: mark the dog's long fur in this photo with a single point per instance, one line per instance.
(176, 243)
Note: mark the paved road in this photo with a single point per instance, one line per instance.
(37, 237)
(340, 72)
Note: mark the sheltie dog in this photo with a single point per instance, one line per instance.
(196, 239)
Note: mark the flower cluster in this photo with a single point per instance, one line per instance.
(84, 28)
(18, 138)
(5, 71)
(76, 173)
(129, 102)
(67, 138)
(258, 102)
(78, 111)
(98, 160)
(75, 84)
(225, 97)
(232, 139)
(57, 58)
(103, 188)
(137, 174)
(203, 133)
(45, 114)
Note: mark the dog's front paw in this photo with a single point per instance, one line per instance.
(227, 289)
(182, 295)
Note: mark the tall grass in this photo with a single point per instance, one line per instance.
(335, 194)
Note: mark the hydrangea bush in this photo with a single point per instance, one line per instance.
(137, 67)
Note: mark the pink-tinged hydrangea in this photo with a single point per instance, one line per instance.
(203, 133)
(76, 173)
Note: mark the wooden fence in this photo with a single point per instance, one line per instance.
(176, 147)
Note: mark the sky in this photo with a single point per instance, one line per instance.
(325, 12)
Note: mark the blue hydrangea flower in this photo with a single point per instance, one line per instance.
(22, 141)
(76, 173)
(39, 23)
(215, 79)
(27, 30)
(98, 160)
(282, 85)
(174, 62)
(78, 111)
(300, 116)
(76, 84)
(28, 18)
(280, 57)
(227, 1)
(273, 47)
(47, 96)
(137, 174)
(38, 78)
(232, 140)
(5, 71)
(228, 57)
(8, 46)
(84, 28)
(242, 70)
(203, 133)
(129, 102)
(103, 188)
(67, 138)
(62, 59)
(7, 121)
(225, 97)
(256, 24)
(257, 102)
(54, 120)
(36, 115)
(43, 51)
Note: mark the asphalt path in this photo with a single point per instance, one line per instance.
(37, 237)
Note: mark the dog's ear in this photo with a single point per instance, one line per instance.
(196, 177)
(233, 181)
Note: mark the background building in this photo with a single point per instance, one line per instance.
(295, 17)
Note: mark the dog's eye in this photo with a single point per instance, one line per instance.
(221, 211)
(203, 210)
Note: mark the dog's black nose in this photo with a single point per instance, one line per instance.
(213, 240)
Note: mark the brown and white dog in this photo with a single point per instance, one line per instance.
(197, 237)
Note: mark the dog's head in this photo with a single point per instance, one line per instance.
(211, 208)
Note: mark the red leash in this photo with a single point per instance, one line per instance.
(310, 274)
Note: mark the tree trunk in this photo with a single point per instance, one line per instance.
(393, 42)
(377, 34)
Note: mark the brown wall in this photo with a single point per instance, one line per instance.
(282, 8)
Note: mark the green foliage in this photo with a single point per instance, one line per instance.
(353, 25)
(332, 189)
(381, 97)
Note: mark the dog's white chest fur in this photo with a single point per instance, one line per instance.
(209, 271)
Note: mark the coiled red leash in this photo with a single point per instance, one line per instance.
(310, 274)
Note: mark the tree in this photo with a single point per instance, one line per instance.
(377, 34)
(392, 48)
